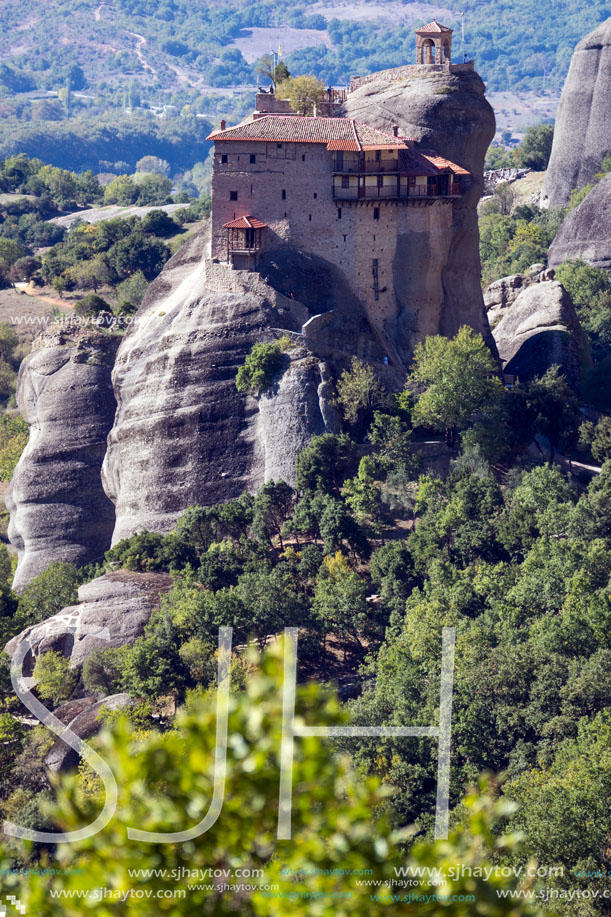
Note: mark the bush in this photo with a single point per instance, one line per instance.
(14, 433)
(92, 304)
(259, 368)
(55, 679)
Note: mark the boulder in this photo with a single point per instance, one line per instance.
(585, 233)
(59, 511)
(540, 329)
(84, 724)
(117, 605)
(582, 137)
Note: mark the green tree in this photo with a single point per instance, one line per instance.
(304, 93)
(14, 434)
(121, 190)
(55, 680)
(164, 784)
(53, 589)
(458, 377)
(556, 409)
(359, 390)
(536, 147)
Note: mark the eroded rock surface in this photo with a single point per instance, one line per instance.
(585, 234)
(582, 137)
(449, 114)
(116, 605)
(59, 510)
(540, 329)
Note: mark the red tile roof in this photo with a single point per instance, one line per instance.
(336, 133)
(441, 163)
(246, 222)
(433, 28)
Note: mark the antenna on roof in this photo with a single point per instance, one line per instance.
(462, 24)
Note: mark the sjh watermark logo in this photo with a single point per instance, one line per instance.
(11, 904)
(290, 732)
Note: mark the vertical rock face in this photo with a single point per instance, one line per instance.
(449, 114)
(59, 510)
(585, 234)
(183, 434)
(582, 137)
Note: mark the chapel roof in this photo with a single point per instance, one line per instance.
(336, 133)
(433, 28)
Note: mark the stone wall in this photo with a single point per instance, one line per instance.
(408, 239)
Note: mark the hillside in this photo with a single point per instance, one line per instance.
(179, 61)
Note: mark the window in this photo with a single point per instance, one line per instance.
(339, 216)
(283, 194)
(310, 217)
(345, 181)
(380, 181)
(345, 237)
(315, 195)
(375, 272)
(253, 157)
(224, 157)
(279, 146)
(233, 195)
(303, 157)
(376, 214)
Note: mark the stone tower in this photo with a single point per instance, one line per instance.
(434, 44)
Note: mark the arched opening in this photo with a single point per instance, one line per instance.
(447, 50)
(428, 51)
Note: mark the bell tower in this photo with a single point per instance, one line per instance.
(434, 44)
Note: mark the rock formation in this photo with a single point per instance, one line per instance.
(448, 113)
(84, 723)
(582, 137)
(182, 433)
(537, 329)
(59, 510)
(585, 234)
(117, 604)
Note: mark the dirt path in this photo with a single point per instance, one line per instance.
(140, 44)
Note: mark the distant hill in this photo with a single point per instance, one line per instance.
(70, 62)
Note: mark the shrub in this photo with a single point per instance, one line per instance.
(259, 368)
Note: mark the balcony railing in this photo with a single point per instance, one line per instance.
(368, 192)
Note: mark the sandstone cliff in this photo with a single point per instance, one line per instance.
(585, 234)
(582, 137)
(450, 114)
(59, 510)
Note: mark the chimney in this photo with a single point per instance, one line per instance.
(223, 125)
(315, 113)
(395, 130)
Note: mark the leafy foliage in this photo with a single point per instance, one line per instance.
(259, 368)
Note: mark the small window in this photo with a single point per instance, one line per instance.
(339, 216)
(310, 217)
(283, 194)
(345, 181)
(345, 237)
(253, 157)
(279, 145)
(224, 157)
(376, 214)
(303, 157)
(315, 195)
(233, 195)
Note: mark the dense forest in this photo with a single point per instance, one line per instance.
(370, 556)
